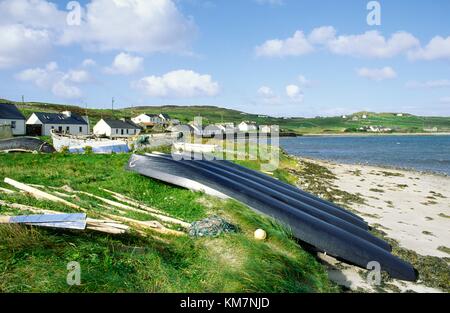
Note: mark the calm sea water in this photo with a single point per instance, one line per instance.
(423, 153)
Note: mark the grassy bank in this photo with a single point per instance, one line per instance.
(33, 259)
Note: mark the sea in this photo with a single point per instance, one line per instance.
(420, 153)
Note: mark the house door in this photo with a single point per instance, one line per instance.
(34, 130)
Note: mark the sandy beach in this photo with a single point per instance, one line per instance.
(410, 207)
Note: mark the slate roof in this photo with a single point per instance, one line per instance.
(10, 112)
(120, 124)
(57, 118)
(165, 116)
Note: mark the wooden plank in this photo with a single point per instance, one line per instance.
(133, 202)
(23, 207)
(4, 190)
(107, 230)
(4, 219)
(151, 225)
(41, 194)
(127, 207)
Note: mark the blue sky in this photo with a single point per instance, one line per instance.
(277, 57)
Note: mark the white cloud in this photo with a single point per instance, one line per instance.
(178, 84)
(294, 46)
(377, 74)
(322, 35)
(134, 26)
(130, 25)
(372, 44)
(267, 96)
(125, 64)
(64, 90)
(39, 14)
(88, 63)
(265, 92)
(61, 84)
(20, 45)
(77, 76)
(428, 84)
(437, 48)
(294, 93)
(304, 82)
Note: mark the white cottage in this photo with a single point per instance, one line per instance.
(165, 117)
(42, 124)
(267, 129)
(116, 128)
(247, 127)
(10, 115)
(147, 119)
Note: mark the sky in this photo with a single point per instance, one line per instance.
(275, 57)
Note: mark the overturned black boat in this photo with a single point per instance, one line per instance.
(323, 225)
(25, 144)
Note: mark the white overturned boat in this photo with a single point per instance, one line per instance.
(78, 144)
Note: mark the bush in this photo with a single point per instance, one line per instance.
(65, 150)
(88, 150)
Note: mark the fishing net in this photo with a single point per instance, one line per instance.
(211, 227)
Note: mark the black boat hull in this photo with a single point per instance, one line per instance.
(312, 230)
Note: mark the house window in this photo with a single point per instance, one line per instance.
(81, 129)
(60, 129)
(117, 131)
(121, 131)
(53, 127)
(13, 124)
(68, 129)
(127, 131)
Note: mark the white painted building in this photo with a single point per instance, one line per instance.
(247, 126)
(266, 129)
(42, 124)
(226, 127)
(165, 117)
(116, 128)
(10, 115)
(146, 119)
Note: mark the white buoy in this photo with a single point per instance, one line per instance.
(260, 234)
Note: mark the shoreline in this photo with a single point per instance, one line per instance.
(372, 134)
(380, 166)
(408, 207)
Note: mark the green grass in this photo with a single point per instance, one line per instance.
(35, 260)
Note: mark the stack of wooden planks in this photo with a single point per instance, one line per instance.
(109, 221)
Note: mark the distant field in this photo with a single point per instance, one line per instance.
(318, 125)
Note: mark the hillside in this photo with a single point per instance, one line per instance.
(406, 123)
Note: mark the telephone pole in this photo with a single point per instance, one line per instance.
(112, 107)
